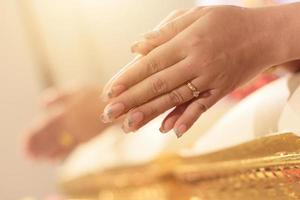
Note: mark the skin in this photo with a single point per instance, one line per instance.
(75, 112)
(217, 49)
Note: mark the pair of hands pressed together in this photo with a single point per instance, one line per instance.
(217, 49)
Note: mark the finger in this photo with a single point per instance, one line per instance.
(147, 46)
(170, 120)
(53, 96)
(141, 115)
(167, 31)
(193, 112)
(160, 59)
(110, 91)
(173, 15)
(159, 84)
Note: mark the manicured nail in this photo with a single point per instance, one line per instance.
(151, 35)
(167, 126)
(115, 91)
(162, 130)
(180, 130)
(112, 111)
(133, 121)
(125, 129)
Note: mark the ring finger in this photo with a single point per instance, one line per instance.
(139, 116)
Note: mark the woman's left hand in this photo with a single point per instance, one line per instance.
(219, 49)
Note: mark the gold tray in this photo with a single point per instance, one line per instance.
(263, 169)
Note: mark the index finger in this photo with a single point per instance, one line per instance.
(159, 59)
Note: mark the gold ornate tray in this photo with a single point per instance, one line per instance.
(267, 168)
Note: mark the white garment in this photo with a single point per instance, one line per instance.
(275, 108)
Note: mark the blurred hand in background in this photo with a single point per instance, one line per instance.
(71, 118)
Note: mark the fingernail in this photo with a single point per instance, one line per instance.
(112, 111)
(115, 91)
(105, 119)
(151, 35)
(167, 126)
(133, 121)
(125, 129)
(162, 130)
(180, 130)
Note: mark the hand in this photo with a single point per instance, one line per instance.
(219, 49)
(72, 118)
(158, 37)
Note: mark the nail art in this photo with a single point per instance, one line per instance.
(129, 122)
(110, 94)
(125, 129)
(180, 131)
(105, 119)
(162, 130)
(112, 111)
(132, 121)
(115, 91)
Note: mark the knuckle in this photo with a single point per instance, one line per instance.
(152, 66)
(176, 98)
(158, 86)
(152, 111)
(200, 107)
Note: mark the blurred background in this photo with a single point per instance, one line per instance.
(57, 43)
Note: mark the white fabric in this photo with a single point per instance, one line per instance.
(290, 117)
(257, 115)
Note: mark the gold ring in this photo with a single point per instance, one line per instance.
(66, 139)
(194, 90)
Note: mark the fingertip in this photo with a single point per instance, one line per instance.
(167, 125)
(180, 130)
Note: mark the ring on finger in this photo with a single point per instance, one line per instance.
(193, 89)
